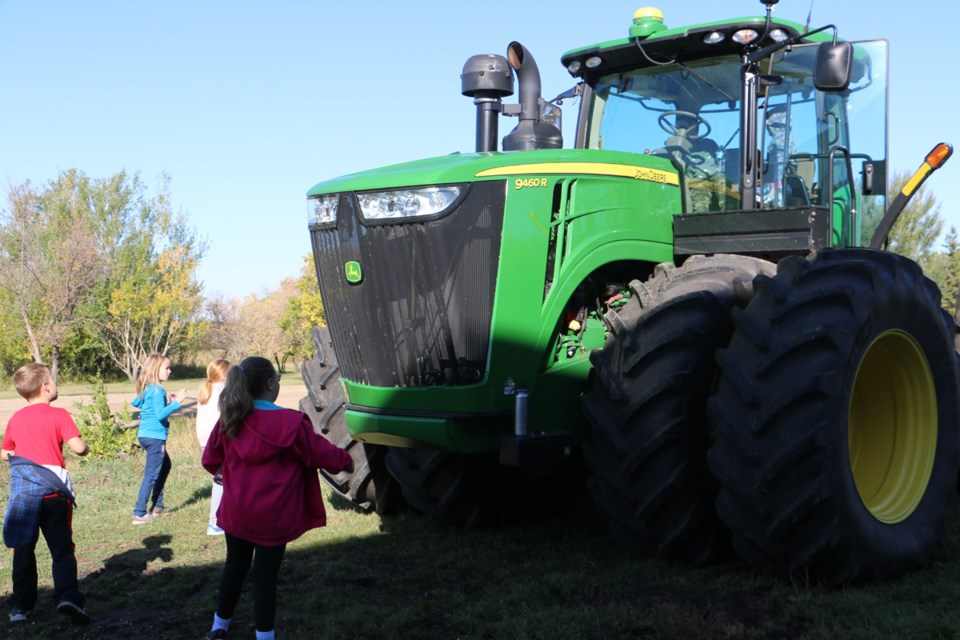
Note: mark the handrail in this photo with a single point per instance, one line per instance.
(853, 194)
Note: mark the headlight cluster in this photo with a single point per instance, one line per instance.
(394, 205)
(322, 210)
(407, 203)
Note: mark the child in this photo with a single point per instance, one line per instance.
(271, 491)
(208, 412)
(155, 411)
(41, 495)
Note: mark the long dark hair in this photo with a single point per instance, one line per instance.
(245, 382)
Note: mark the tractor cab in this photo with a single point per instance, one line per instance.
(747, 112)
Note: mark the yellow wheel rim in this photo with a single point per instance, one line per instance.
(892, 433)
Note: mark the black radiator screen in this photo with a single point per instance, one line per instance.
(420, 316)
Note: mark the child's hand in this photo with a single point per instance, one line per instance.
(180, 396)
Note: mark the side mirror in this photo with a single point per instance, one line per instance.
(833, 67)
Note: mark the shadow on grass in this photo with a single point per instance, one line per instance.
(199, 495)
(560, 578)
(133, 563)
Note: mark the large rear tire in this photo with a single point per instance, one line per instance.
(836, 415)
(648, 445)
(370, 487)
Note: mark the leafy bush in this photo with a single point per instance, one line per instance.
(106, 432)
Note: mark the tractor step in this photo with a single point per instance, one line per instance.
(536, 449)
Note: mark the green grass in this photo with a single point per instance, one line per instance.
(66, 389)
(408, 577)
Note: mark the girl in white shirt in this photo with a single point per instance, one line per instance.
(208, 412)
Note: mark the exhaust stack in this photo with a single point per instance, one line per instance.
(531, 132)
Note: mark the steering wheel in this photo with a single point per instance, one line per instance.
(673, 130)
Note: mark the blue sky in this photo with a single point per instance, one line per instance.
(246, 105)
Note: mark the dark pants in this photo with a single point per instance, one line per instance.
(155, 472)
(266, 567)
(56, 524)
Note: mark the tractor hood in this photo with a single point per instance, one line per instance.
(473, 167)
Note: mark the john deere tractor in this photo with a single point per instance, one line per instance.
(693, 299)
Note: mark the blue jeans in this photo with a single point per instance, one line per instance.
(155, 473)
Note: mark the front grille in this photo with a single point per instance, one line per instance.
(421, 315)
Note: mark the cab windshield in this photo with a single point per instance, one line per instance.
(689, 113)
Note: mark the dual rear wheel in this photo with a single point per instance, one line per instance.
(837, 419)
(829, 443)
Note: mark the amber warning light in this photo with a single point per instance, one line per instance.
(939, 155)
(934, 160)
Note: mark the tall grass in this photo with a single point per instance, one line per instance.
(407, 577)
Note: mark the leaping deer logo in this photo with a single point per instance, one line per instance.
(353, 272)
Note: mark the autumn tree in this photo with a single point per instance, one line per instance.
(221, 336)
(260, 322)
(304, 312)
(151, 299)
(51, 258)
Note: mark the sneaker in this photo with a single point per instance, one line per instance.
(17, 614)
(144, 519)
(161, 511)
(73, 611)
(218, 634)
(214, 530)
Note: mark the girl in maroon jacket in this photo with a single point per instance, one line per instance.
(271, 492)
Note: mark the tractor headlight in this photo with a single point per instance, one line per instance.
(322, 210)
(403, 204)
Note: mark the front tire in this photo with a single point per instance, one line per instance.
(836, 416)
(463, 490)
(370, 486)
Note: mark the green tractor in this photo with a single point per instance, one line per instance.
(693, 303)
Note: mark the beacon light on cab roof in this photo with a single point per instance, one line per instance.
(646, 22)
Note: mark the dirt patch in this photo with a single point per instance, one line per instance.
(290, 395)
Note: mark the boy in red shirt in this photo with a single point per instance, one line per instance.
(41, 497)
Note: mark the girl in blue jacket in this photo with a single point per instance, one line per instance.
(155, 410)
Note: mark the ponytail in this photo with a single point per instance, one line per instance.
(244, 382)
(216, 372)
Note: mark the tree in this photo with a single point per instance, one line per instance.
(915, 235)
(87, 259)
(260, 322)
(221, 328)
(13, 337)
(916, 230)
(150, 300)
(50, 258)
(304, 312)
(944, 269)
